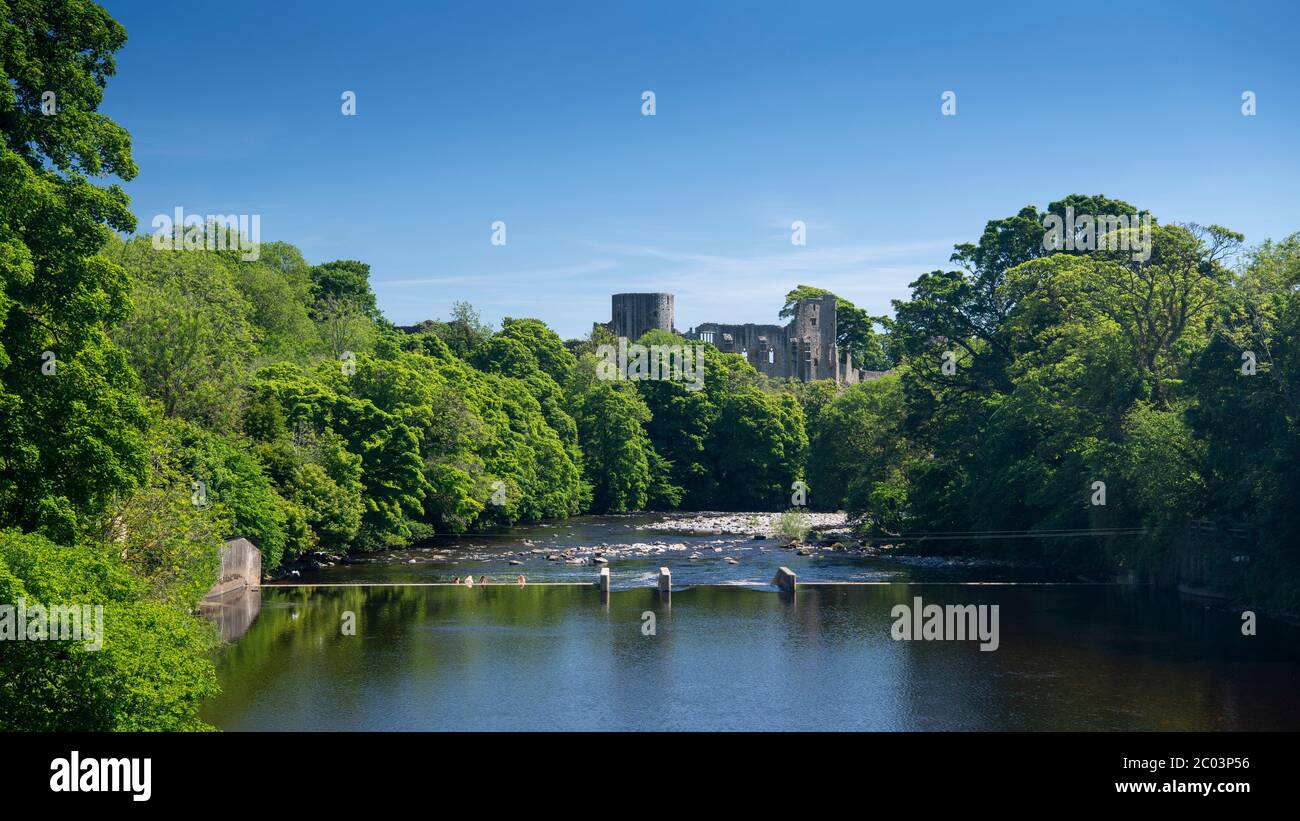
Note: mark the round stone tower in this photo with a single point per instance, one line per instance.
(634, 314)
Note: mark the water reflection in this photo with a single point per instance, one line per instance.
(233, 613)
(558, 657)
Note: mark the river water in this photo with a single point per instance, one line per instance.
(726, 651)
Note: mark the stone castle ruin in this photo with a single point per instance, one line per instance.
(803, 349)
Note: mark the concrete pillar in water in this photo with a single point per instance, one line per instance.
(665, 580)
(784, 579)
(602, 582)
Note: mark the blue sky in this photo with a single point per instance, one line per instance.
(829, 113)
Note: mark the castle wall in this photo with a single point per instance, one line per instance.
(803, 349)
(758, 343)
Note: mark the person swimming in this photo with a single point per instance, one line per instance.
(482, 579)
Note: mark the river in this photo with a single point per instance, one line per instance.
(727, 651)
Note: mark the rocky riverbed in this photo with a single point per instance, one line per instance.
(754, 524)
(700, 548)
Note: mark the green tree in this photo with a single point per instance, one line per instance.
(856, 444)
(279, 290)
(617, 451)
(72, 436)
(463, 333)
(346, 281)
(164, 538)
(759, 445)
(236, 482)
(1249, 422)
(325, 398)
(152, 671)
(188, 334)
(855, 329)
(344, 326)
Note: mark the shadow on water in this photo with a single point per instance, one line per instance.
(727, 657)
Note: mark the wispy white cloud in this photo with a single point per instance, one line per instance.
(532, 276)
(740, 288)
(732, 287)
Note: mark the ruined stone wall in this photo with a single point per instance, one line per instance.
(764, 346)
(804, 349)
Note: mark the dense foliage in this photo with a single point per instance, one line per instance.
(155, 403)
(79, 478)
(1068, 369)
